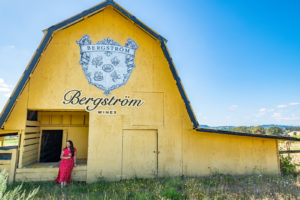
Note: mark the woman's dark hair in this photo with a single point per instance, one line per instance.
(71, 147)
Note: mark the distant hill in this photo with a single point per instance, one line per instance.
(281, 126)
(218, 127)
(231, 127)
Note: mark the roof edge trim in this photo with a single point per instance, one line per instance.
(247, 134)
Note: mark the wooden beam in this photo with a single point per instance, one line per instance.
(21, 148)
(28, 157)
(4, 162)
(29, 136)
(32, 129)
(32, 123)
(30, 153)
(13, 163)
(28, 161)
(30, 148)
(79, 173)
(31, 141)
(7, 167)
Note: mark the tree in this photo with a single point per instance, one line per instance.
(273, 130)
(242, 129)
(258, 130)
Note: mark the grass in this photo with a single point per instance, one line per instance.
(217, 186)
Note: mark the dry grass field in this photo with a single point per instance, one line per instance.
(217, 186)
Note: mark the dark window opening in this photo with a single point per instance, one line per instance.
(51, 145)
(32, 115)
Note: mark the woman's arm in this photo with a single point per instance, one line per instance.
(75, 158)
(62, 156)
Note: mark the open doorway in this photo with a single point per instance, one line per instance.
(51, 144)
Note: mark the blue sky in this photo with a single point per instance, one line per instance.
(239, 61)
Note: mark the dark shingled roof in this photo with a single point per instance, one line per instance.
(247, 134)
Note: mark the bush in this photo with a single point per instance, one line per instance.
(15, 194)
(286, 166)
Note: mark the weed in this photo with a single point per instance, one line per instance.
(286, 166)
(18, 193)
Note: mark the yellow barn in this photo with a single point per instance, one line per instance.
(106, 81)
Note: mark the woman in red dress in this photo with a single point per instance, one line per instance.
(68, 161)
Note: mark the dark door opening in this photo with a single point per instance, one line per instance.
(51, 145)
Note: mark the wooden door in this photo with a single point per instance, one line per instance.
(139, 154)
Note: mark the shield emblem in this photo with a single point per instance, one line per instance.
(107, 64)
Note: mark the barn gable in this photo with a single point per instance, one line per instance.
(75, 19)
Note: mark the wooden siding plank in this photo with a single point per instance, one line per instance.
(4, 162)
(31, 141)
(47, 169)
(29, 136)
(30, 153)
(30, 148)
(27, 162)
(7, 167)
(32, 129)
(32, 123)
(47, 174)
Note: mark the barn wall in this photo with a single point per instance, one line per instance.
(206, 153)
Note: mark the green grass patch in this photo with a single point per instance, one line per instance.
(217, 186)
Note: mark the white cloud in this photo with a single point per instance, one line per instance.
(4, 87)
(7, 95)
(276, 115)
(233, 107)
(262, 110)
(287, 105)
(282, 106)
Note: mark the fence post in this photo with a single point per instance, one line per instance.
(13, 163)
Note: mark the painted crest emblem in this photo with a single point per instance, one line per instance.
(107, 64)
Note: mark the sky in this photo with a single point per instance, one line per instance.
(239, 61)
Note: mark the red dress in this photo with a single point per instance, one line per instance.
(65, 167)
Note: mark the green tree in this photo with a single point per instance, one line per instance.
(273, 130)
(258, 130)
(242, 129)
